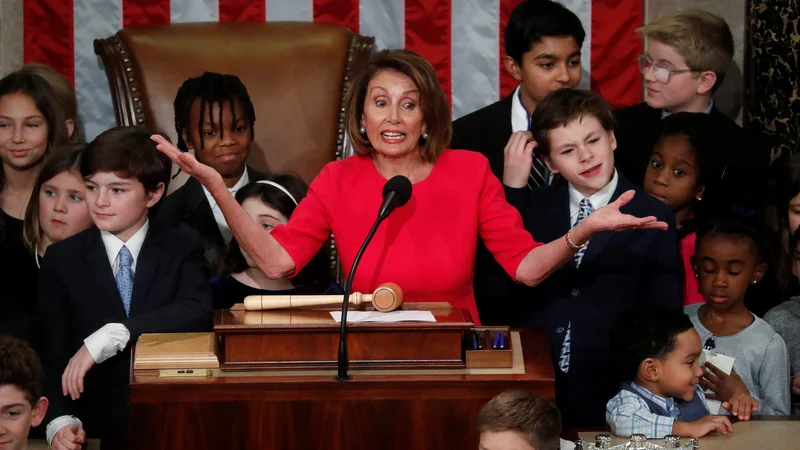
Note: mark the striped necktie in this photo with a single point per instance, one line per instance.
(585, 208)
(540, 175)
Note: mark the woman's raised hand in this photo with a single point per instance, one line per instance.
(206, 175)
(609, 218)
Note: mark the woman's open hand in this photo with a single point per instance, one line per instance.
(206, 175)
(609, 218)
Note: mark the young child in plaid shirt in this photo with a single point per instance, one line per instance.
(657, 353)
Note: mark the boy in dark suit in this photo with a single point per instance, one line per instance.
(543, 42)
(21, 403)
(214, 117)
(686, 57)
(612, 272)
(102, 288)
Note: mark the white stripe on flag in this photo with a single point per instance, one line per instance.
(94, 20)
(290, 10)
(385, 20)
(182, 11)
(583, 9)
(474, 66)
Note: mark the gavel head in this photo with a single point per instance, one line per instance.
(387, 297)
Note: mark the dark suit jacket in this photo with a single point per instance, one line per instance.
(188, 207)
(78, 295)
(746, 160)
(620, 271)
(487, 131)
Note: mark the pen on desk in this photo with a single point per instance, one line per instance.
(474, 340)
(496, 340)
(502, 340)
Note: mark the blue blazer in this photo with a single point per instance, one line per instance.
(78, 295)
(620, 271)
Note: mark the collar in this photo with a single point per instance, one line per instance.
(665, 113)
(666, 403)
(243, 181)
(519, 115)
(113, 244)
(599, 199)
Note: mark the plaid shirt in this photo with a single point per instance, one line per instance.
(628, 414)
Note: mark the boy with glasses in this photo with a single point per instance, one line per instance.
(687, 54)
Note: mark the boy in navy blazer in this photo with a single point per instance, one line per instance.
(612, 272)
(102, 288)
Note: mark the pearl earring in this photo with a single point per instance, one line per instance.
(698, 198)
(362, 130)
(754, 282)
(425, 135)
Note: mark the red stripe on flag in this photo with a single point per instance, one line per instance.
(242, 11)
(48, 35)
(615, 47)
(340, 12)
(428, 33)
(137, 13)
(507, 82)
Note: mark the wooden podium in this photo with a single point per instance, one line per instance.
(254, 402)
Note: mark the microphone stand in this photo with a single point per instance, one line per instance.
(342, 364)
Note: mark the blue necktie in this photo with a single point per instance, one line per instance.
(585, 208)
(124, 278)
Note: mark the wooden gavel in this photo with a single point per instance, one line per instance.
(387, 297)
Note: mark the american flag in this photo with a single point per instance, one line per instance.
(463, 39)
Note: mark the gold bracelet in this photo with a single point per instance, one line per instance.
(571, 244)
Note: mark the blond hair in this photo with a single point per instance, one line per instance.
(535, 418)
(703, 39)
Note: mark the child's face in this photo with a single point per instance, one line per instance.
(265, 215)
(583, 153)
(62, 209)
(226, 154)
(673, 171)
(506, 440)
(681, 371)
(23, 132)
(794, 213)
(119, 205)
(726, 266)
(680, 90)
(549, 65)
(17, 416)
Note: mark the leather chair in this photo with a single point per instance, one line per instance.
(296, 73)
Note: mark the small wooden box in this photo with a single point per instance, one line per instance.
(176, 351)
(488, 358)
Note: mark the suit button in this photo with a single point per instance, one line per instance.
(575, 292)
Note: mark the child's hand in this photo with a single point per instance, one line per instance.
(518, 159)
(723, 385)
(741, 406)
(72, 378)
(69, 437)
(702, 427)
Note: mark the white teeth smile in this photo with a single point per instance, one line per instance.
(392, 135)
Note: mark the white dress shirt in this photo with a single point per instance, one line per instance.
(111, 338)
(665, 113)
(599, 199)
(519, 115)
(222, 224)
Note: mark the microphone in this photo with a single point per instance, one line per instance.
(396, 193)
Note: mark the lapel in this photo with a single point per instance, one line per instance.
(557, 211)
(146, 267)
(198, 212)
(100, 271)
(601, 240)
(505, 127)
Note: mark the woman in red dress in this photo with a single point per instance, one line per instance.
(398, 122)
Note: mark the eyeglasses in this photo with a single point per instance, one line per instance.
(710, 344)
(661, 72)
